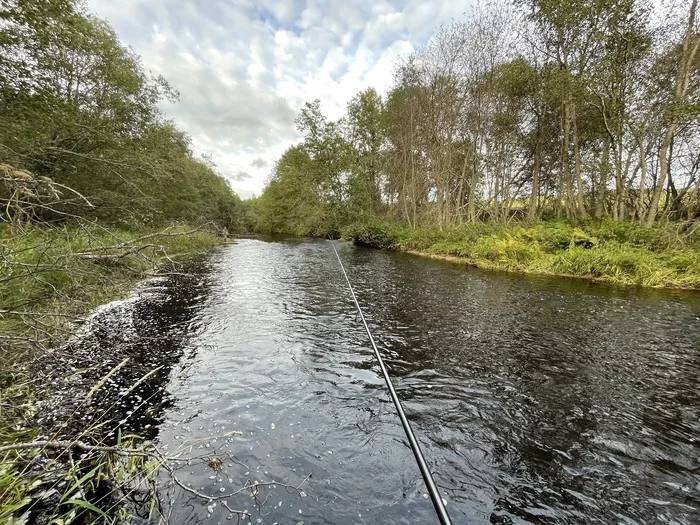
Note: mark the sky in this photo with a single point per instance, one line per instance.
(244, 68)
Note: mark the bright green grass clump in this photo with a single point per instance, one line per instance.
(616, 252)
(16, 404)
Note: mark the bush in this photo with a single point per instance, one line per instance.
(662, 237)
(577, 261)
(556, 236)
(373, 235)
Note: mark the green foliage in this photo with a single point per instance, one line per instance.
(510, 251)
(74, 269)
(662, 237)
(48, 277)
(79, 108)
(306, 194)
(374, 235)
(554, 236)
(92, 486)
(604, 251)
(367, 134)
(17, 402)
(576, 111)
(333, 178)
(292, 201)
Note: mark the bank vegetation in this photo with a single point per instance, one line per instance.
(97, 191)
(608, 251)
(539, 110)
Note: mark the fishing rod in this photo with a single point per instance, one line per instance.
(422, 465)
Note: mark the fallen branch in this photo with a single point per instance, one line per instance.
(38, 314)
(114, 257)
(163, 462)
(70, 445)
(132, 242)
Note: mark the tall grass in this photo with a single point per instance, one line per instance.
(49, 277)
(67, 481)
(615, 252)
(68, 271)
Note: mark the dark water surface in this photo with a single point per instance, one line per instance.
(536, 400)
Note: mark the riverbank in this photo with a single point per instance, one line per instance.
(52, 278)
(62, 273)
(613, 252)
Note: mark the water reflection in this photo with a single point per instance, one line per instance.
(536, 400)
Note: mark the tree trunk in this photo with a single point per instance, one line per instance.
(604, 168)
(460, 191)
(570, 203)
(643, 178)
(621, 172)
(564, 179)
(580, 204)
(663, 172)
(690, 49)
(534, 194)
(472, 184)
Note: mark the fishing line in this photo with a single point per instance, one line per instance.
(422, 465)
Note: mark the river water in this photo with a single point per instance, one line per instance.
(535, 399)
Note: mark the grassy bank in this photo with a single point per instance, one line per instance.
(70, 270)
(614, 252)
(50, 277)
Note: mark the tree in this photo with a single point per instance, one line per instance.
(292, 201)
(330, 157)
(366, 136)
(575, 111)
(78, 108)
(684, 58)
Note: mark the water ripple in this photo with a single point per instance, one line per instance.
(536, 400)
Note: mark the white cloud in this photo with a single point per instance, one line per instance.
(244, 68)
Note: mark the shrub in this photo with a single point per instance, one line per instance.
(374, 235)
(556, 236)
(616, 252)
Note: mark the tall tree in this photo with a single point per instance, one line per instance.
(77, 107)
(684, 57)
(367, 136)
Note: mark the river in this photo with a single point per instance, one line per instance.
(535, 399)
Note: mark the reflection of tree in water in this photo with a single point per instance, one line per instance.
(150, 333)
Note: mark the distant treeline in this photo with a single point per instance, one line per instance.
(570, 109)
(78, 110)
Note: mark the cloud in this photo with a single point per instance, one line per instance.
(245, 68)
(240, 176)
